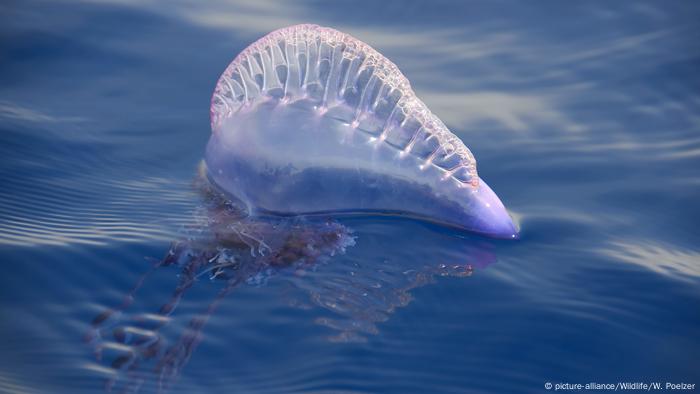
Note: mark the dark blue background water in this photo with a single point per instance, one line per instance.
(585, 118)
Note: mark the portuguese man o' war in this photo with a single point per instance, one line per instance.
(338, 130)
(308, 120)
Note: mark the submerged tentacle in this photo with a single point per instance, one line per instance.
(224, 245)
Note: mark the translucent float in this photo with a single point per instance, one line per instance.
(308, 120)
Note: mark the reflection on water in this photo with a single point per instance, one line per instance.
(584, 120)
(680, 264)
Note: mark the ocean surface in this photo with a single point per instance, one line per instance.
(584, 118)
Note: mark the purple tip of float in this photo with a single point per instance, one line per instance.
(491, 217)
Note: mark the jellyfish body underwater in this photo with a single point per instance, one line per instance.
(308, 120)
(144, 342)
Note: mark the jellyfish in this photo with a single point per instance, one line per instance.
(311, 128)
(308, 120)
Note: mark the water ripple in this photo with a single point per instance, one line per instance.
(674, 262)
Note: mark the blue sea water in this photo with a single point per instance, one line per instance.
(584, 118)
